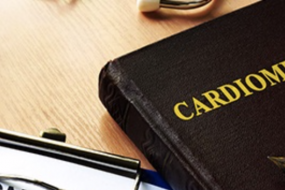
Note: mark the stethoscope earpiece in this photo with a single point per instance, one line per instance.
(153, 5)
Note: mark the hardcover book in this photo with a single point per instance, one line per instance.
(207, 106)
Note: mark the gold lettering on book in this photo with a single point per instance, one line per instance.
(229, 93)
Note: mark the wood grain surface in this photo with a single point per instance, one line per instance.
(51, 53)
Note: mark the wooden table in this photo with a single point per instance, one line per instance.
(51, 53)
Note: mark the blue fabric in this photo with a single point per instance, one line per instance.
(153, 178)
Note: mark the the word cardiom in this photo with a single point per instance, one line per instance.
(232, 92)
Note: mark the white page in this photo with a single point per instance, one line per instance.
(63, 174)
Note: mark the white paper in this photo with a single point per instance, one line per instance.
(62, 174)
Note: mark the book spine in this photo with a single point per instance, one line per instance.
(139, 131)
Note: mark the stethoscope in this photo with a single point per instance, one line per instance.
(153, 5)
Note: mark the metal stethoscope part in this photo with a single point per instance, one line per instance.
(153, 5)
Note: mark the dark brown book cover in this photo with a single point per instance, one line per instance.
(207, 106)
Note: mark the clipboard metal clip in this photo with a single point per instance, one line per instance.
(52, 145)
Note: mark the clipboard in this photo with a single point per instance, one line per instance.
(48, 151)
